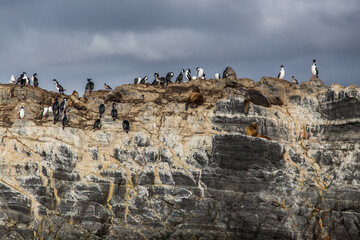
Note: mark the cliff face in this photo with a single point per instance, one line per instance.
(183, 174)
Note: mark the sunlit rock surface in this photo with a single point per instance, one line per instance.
(183, 174)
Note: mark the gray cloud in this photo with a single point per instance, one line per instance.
(116, 41)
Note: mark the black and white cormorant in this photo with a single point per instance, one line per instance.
(144, 80)
(63, 104)
(35, 80)
(168, 78)
(200, 73)
(22, 113)
(58, 87)
(157, 80)
(180, 77)
(314, 70)
(137, 80)
(188, 75)
(281, 74)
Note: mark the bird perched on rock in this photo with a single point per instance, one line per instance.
(314, 70)
(63, 104)
(107, 87)
(293, 80)
(45, 112)
(144, 80)
(157, 80)
(56, 105)
(34, 80)
(12, 80)
(281, 74)
(22, 113)
(58, 87)
(200, 73)
(57, 116)
(114, 112)
(217, 76)
(22, 79)
(97, 124)
(126, 126)
(65, 120)
(188, 75)
(101, 110)
(90, 85)
(137, 80)
(27, 81)
(168, 78)
(180, 77)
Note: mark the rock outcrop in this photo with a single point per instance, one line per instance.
(183, 174)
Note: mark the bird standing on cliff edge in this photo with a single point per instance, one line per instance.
(90, 85)
(281, 74)
(188, 75)
(12, 80)
(34, 80)
(157, 79)
(22, 113)
(137, 80)
(107, 87)
(293, 80)
(168, 78)
(314, 70)
(144, 80)
(58, 87)
(200, 73)
(180, 77)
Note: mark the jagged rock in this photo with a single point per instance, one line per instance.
(183, 174)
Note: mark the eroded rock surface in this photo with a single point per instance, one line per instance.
(183, 174)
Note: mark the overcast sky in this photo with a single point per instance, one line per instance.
(114, 41)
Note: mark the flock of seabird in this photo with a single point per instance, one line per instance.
(179, 79)
(59, 109)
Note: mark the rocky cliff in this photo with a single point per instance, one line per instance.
(183, 174)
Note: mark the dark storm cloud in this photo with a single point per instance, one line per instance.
(116, 41)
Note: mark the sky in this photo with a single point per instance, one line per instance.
(115, 41)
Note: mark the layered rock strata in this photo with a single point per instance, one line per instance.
(183, 174)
